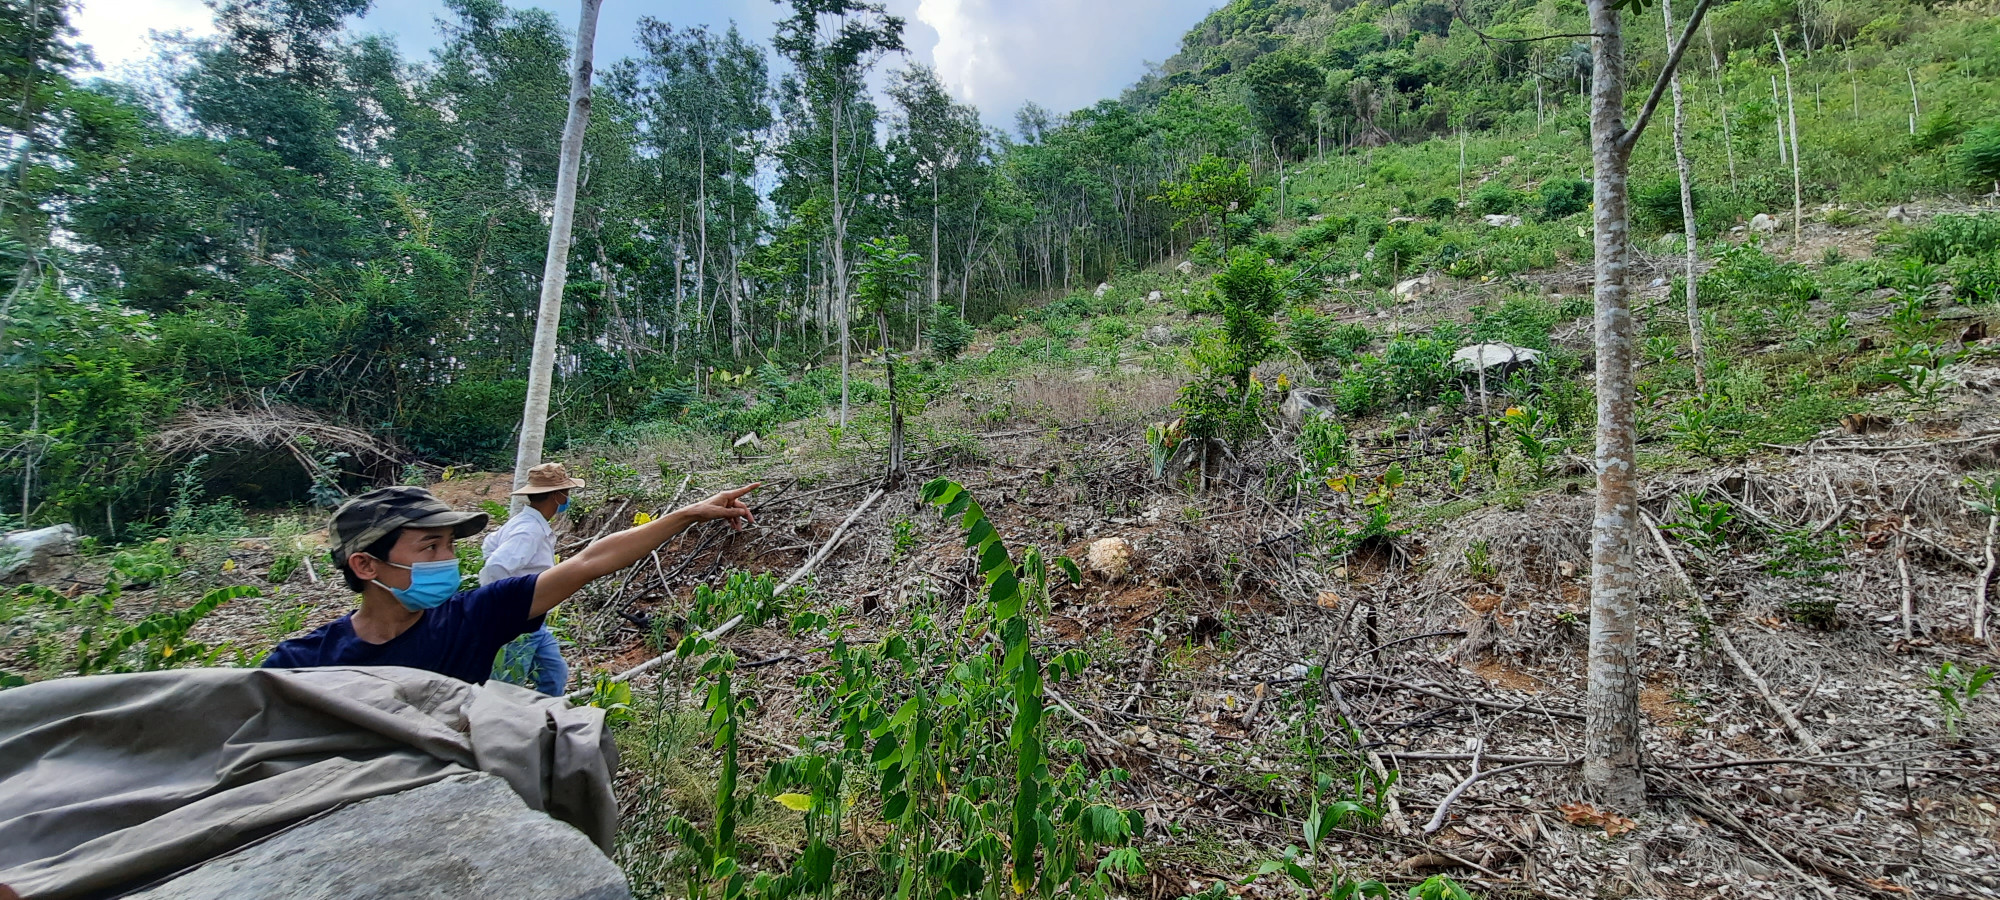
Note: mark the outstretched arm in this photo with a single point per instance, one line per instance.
(617, 551)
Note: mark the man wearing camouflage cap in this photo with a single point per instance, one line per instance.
(394, 547)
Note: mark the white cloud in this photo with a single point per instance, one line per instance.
(1063, 54)
(120, 31)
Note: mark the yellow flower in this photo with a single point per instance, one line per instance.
(640, 518)
(166, 651)
(229, 565)
(1284, 382)
(1515, 412)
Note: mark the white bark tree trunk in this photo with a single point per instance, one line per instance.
(839, 298)
(1792, 116)
(1687, 215)
(555, 268)
(1611, 731)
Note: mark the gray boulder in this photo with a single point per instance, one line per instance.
(29, 551)
(468, 837)
(1303, 402)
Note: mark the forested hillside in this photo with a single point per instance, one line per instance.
(291, 215)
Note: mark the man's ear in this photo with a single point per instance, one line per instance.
(363, 566)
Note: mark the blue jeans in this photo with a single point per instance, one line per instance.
(534, 660)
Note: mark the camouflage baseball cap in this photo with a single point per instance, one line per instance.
(372, 516)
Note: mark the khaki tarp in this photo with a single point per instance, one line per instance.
(112, 781)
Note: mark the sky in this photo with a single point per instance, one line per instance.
(994, 54)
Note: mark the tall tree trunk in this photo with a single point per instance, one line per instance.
(839, 259)
(1687, 214)
(701, 228)
(1611, 731)
(680, 286)
(1778, 121)
(936, 253)
(1792, 116)
(1722, 104)
(555, 268)
(1611, 703)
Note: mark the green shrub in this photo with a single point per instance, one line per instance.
(1948, 237)
(1979, 156)
(1441, 208)
(1937, 130)
(950, 335)
(1309, 334)
(1494, 198)
(1656, 205)
(1564, 197)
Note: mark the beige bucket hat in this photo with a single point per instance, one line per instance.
(548, 478)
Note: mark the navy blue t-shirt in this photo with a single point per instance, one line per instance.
(458, 637)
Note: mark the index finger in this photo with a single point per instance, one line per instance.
(743, 490)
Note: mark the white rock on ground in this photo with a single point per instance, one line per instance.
(1112, 559)
(30, 550)
(1302, 402)
(1414, 287)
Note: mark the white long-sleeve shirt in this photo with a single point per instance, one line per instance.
(524, 545)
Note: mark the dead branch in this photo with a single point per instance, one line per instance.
(831, 542)
(1444, 807)
(1778, 706)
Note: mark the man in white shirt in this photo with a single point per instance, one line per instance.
(525, 545)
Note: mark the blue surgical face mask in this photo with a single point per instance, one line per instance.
(563, 507)
(431, 584)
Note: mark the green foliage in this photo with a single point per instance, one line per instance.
(160, 639)
(1213, 187)
(1323, 452)
(1952, 687)
(752, 596)
(1564, 197)
(614, 697)
(1945, 238)
(949, 334)
(1979, 156)
(1656, 205)
(1283, 86)
(1162, 439)
(1222, 401)
(1439, 887)
(1495, 197)
(1703, 523)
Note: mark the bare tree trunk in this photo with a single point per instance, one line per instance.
(1722, 104)
(1611, 732)
(1611, 705)
(839, 298)
(701, 227)
(935, 253)
(680, 286)
(555, 269)
(1687, 214)
(1792, 116)
(1916, 109)
(1778, 122)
